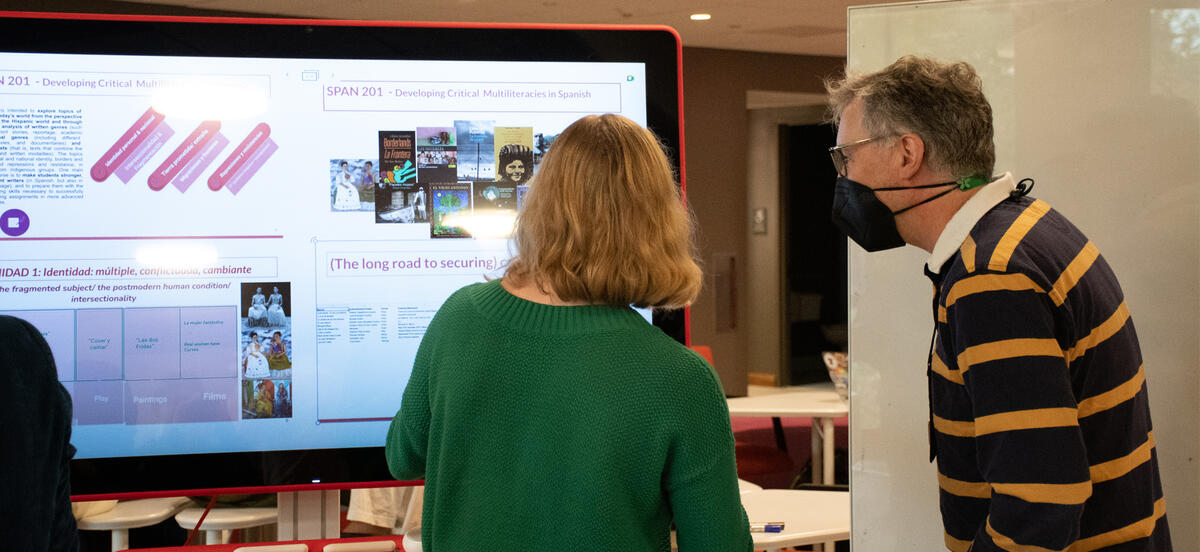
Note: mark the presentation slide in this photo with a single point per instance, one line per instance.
(243, 254)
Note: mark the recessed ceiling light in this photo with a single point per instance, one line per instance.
(701, 16)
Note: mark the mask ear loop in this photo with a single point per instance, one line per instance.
(924, 201)
(894, 188)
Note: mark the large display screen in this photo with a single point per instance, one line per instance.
(237, 251)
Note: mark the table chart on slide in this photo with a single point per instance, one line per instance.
(153, 365)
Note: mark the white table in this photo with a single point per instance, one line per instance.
(131, 514)
(747, 487)
(809, 517)
(817, 401)
(221, 521)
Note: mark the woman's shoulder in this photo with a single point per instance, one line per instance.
(679, 379)
(671, 358)
(470, 292)
(462, 302)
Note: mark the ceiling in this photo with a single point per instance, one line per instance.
(813, 27)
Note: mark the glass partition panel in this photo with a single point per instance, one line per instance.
(1099, 102)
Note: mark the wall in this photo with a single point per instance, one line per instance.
(717, 135)
(1100, 103)
(118, 6)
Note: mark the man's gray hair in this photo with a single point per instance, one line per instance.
(943, 103)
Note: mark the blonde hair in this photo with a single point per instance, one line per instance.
(943, 103)
(603, 222)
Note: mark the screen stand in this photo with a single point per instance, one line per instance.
(309, 515)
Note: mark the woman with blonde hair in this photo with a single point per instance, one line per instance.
(546, 414)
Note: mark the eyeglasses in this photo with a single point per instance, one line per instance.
(840, 159)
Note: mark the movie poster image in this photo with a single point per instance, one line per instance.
(476, 153)
(541, 145)
(397, 153)
(437, 155)
(497, 198)
(451, 206)
(398, 188)
(352, 185)
(407, 205)
(521, 191)
(514, 154)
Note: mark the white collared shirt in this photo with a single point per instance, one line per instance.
(960, 225)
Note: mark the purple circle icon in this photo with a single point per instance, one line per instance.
(14, 222)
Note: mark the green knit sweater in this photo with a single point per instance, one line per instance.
(543, 427)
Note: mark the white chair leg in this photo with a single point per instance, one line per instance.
(817, 456)
(120, 539)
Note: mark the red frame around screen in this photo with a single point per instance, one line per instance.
(364, 23)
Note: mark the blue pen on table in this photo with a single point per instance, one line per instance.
(766, 527)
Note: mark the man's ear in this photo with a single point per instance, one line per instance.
(912, 152)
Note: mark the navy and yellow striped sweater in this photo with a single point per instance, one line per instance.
(1040, 418)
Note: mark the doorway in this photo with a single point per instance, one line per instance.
(814, 254)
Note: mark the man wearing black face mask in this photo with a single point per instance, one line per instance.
(1039, 418)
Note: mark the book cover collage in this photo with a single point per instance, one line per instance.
(455, 178)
